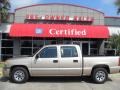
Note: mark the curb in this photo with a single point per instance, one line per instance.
(115, 75)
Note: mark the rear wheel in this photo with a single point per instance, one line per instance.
(19, 75)
(99, 75)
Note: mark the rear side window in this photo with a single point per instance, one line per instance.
(68, 51)
(49, 52)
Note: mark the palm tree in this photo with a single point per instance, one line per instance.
(117, 3)
(4, 8)
(115, 42)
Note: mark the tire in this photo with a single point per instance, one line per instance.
(19, 75)
(99, 75)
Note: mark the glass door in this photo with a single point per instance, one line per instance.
(85, 49)
(84, 45)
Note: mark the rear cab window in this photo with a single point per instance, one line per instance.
(68, 51)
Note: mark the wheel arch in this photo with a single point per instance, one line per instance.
(101, 66)
(23, 66)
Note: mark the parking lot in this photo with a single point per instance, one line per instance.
(62, 83)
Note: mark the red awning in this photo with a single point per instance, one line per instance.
(58, 30)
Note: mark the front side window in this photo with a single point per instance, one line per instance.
(49, 52)
(68, 51)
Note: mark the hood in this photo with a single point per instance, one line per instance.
(19, 61)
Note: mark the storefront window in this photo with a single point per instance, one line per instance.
(7, 51)
(67, 42)
(5, 36)
(26, 51)
(60, 42)
(26, 38)
(38, 43)
(37, 38)
(49, 42)
(26, 46)
(94, 48)
(35, 50)
(26, 43)
(7, 43)
(93, 52)
(6, 46)
(93, 45)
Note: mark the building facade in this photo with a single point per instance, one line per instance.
(32, 27)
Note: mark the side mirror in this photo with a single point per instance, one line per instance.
(37, 56)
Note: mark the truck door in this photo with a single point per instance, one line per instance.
(47, 62)
(70, 61)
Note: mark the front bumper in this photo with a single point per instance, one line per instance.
(6, 71)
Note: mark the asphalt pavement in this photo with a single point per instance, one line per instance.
(62, 83)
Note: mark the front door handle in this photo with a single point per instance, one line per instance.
(75, 61)
(55, 61)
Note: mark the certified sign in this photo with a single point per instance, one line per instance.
(68, 32)
(38, 31)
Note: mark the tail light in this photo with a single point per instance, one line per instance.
(119, 62)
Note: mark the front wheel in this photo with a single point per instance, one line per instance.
(19, 75)
(99, 75)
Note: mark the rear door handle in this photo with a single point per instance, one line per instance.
(55, 61)
(75, 61)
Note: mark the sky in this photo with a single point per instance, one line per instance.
(106, 6)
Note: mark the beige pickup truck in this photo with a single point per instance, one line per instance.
(61, 60)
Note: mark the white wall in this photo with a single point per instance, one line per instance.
(114, 30)
(5, 28)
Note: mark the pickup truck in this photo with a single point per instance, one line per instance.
(61, 60)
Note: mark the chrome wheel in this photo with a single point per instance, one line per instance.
(100, 76)
(19, 75)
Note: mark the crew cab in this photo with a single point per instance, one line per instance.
(61, 60)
